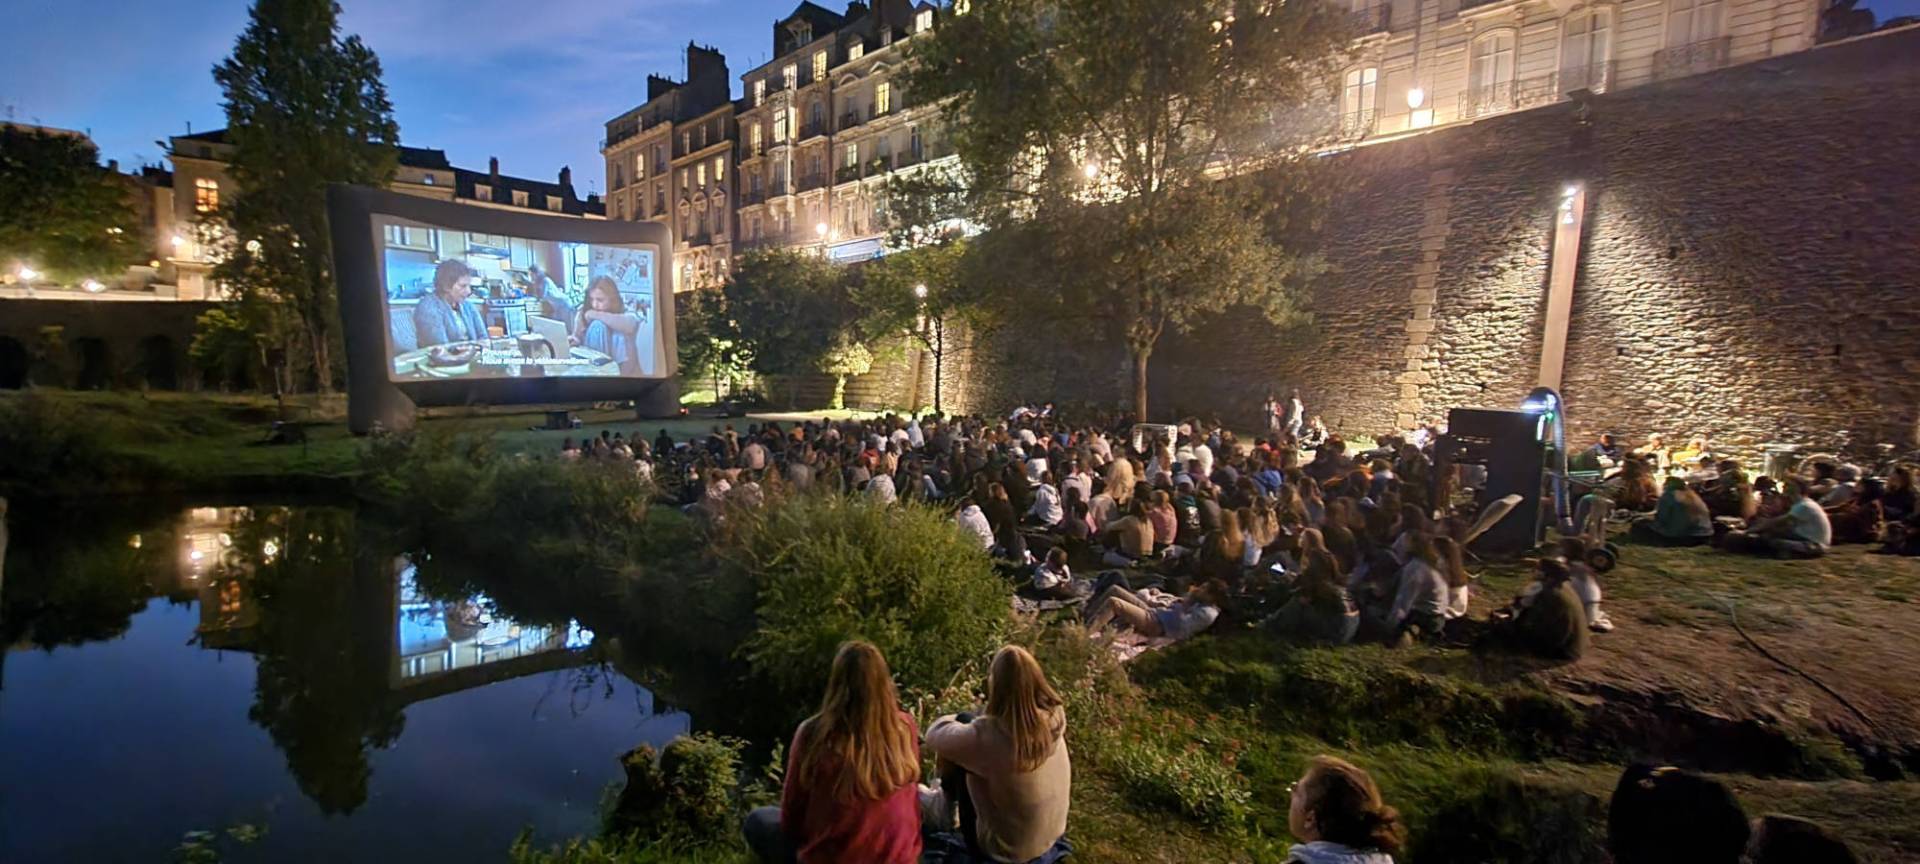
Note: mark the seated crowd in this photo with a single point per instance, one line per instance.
(852, 790)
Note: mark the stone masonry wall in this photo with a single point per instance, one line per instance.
(1748, 271)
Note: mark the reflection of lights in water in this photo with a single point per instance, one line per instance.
(205, 514)
(269, 549)
(133, 542)
(226, 540)
(196, 555)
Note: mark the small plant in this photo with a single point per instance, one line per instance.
(1190, 782)
(684, 794)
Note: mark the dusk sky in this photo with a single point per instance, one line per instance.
(529, 81)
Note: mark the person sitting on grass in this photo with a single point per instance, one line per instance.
(1419, 609)
(1007, 771)
(1183, 619)
(1779, 839)
(1580, 574)
(1665, 815)
(1681, 519)
(1046, 511)
(1452, 561)
(1802, 532)
(1052, 578)
(1129, 540)
(1730, 494)
(1338, 816)
(851, 791)
(1319, 610)
(1547, 620)
(1860, 519)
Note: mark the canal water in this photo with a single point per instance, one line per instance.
(270, 674)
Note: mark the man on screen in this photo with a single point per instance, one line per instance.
(445, 315)
(553, 302)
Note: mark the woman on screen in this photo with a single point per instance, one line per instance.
(445, 315)
(605, 325)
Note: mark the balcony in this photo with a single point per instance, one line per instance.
(813, 130)
(846, 174)
(778, 240)
(754, 195)
(1691, 59)
(810, 182)
(1507, 96)
(850, 120)
(1597, 78)
(1373, 19)
(879, 165)
(908, 159)
(1355, 125)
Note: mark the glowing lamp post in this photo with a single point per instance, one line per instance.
(939, 342)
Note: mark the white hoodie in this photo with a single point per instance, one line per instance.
(1323, 852)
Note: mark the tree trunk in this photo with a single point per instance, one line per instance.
(839, 392)
(1140, 356)
(322, 362)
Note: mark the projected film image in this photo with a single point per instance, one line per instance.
(464, 305)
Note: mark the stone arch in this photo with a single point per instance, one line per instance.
(158, 368)
(16, 364)
(93, 364)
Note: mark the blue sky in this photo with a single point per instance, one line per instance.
(529, 81)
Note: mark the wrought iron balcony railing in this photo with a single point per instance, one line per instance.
(1691, 59)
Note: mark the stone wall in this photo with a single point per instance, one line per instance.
(1748, 271)
(99, 344)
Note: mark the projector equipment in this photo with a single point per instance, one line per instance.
(1508, 444)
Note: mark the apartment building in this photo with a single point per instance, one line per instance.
(646, 147)
(826, 122)
(703, 208)
(200, 181)
(1425, 63)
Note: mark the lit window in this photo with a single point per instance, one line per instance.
(790, 75)
(759, 91)
(1356, 98)
(923, 21)
(719, 169)
(553, 203)
(1585, 51)
(853, 156)
(753, 134)
(686, 143)
(483, 193)
(700, 174)
(882, 98)
(1692, 21)
(519, 199)
(1493, 61)
(779, 125)
(819, 65)
(856, 51)
(206, 195)
(960, 7)
(639, 166)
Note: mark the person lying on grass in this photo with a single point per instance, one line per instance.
(1182, 619)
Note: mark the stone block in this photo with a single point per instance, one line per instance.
(1420, 325)
(1414, 378)
(1425, 296)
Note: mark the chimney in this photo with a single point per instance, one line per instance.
(493, 169)
(113, 165)
(566, 178)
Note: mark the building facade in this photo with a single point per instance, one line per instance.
(189, 235)
(687, 125)
(1426, 63)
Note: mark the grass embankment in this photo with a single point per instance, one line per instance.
(70, 443)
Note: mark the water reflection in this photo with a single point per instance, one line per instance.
(347, 646)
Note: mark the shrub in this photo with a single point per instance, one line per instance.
(51, 445)
(685, 795)
(827, 569)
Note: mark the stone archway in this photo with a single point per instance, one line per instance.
(93, 362)
(16, 365)
(159, 370)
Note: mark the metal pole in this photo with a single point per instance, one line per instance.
(939, 354)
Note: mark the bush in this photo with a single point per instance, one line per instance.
(827, 569)
(51, 445)
(684, 795)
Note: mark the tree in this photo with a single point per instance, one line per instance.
(305, 109)
(65, 215)
(920, 291)
(1134, 161)
(708, 349)
(791, 311)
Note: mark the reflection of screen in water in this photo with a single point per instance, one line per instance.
(466, 305)
(439, 636)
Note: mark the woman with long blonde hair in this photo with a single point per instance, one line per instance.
(1008, 769)
(852, 774)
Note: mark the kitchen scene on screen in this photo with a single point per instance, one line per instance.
(463, 304)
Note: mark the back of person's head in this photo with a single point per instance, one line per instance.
(1026, 706)
(859, 728)
(1452, 560)
(1337, 802)
(1573, 549)
(1796, 488)
(1311, 540)
(1823, 470)
(1793, 840)
(1553, 571)
(1663, 814)
(1057, 556)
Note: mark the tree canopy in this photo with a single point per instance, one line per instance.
(789, 309)
(64, 214)
(1133, 162)
(305, 109)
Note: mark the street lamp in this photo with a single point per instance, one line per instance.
(920, 290)
(92, 286)
(28, 274)
(1092, 170)
(939, 343)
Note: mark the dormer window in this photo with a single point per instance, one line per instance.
(856, 51)
(923, 21)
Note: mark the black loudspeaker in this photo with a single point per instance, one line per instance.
(1508, 444)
